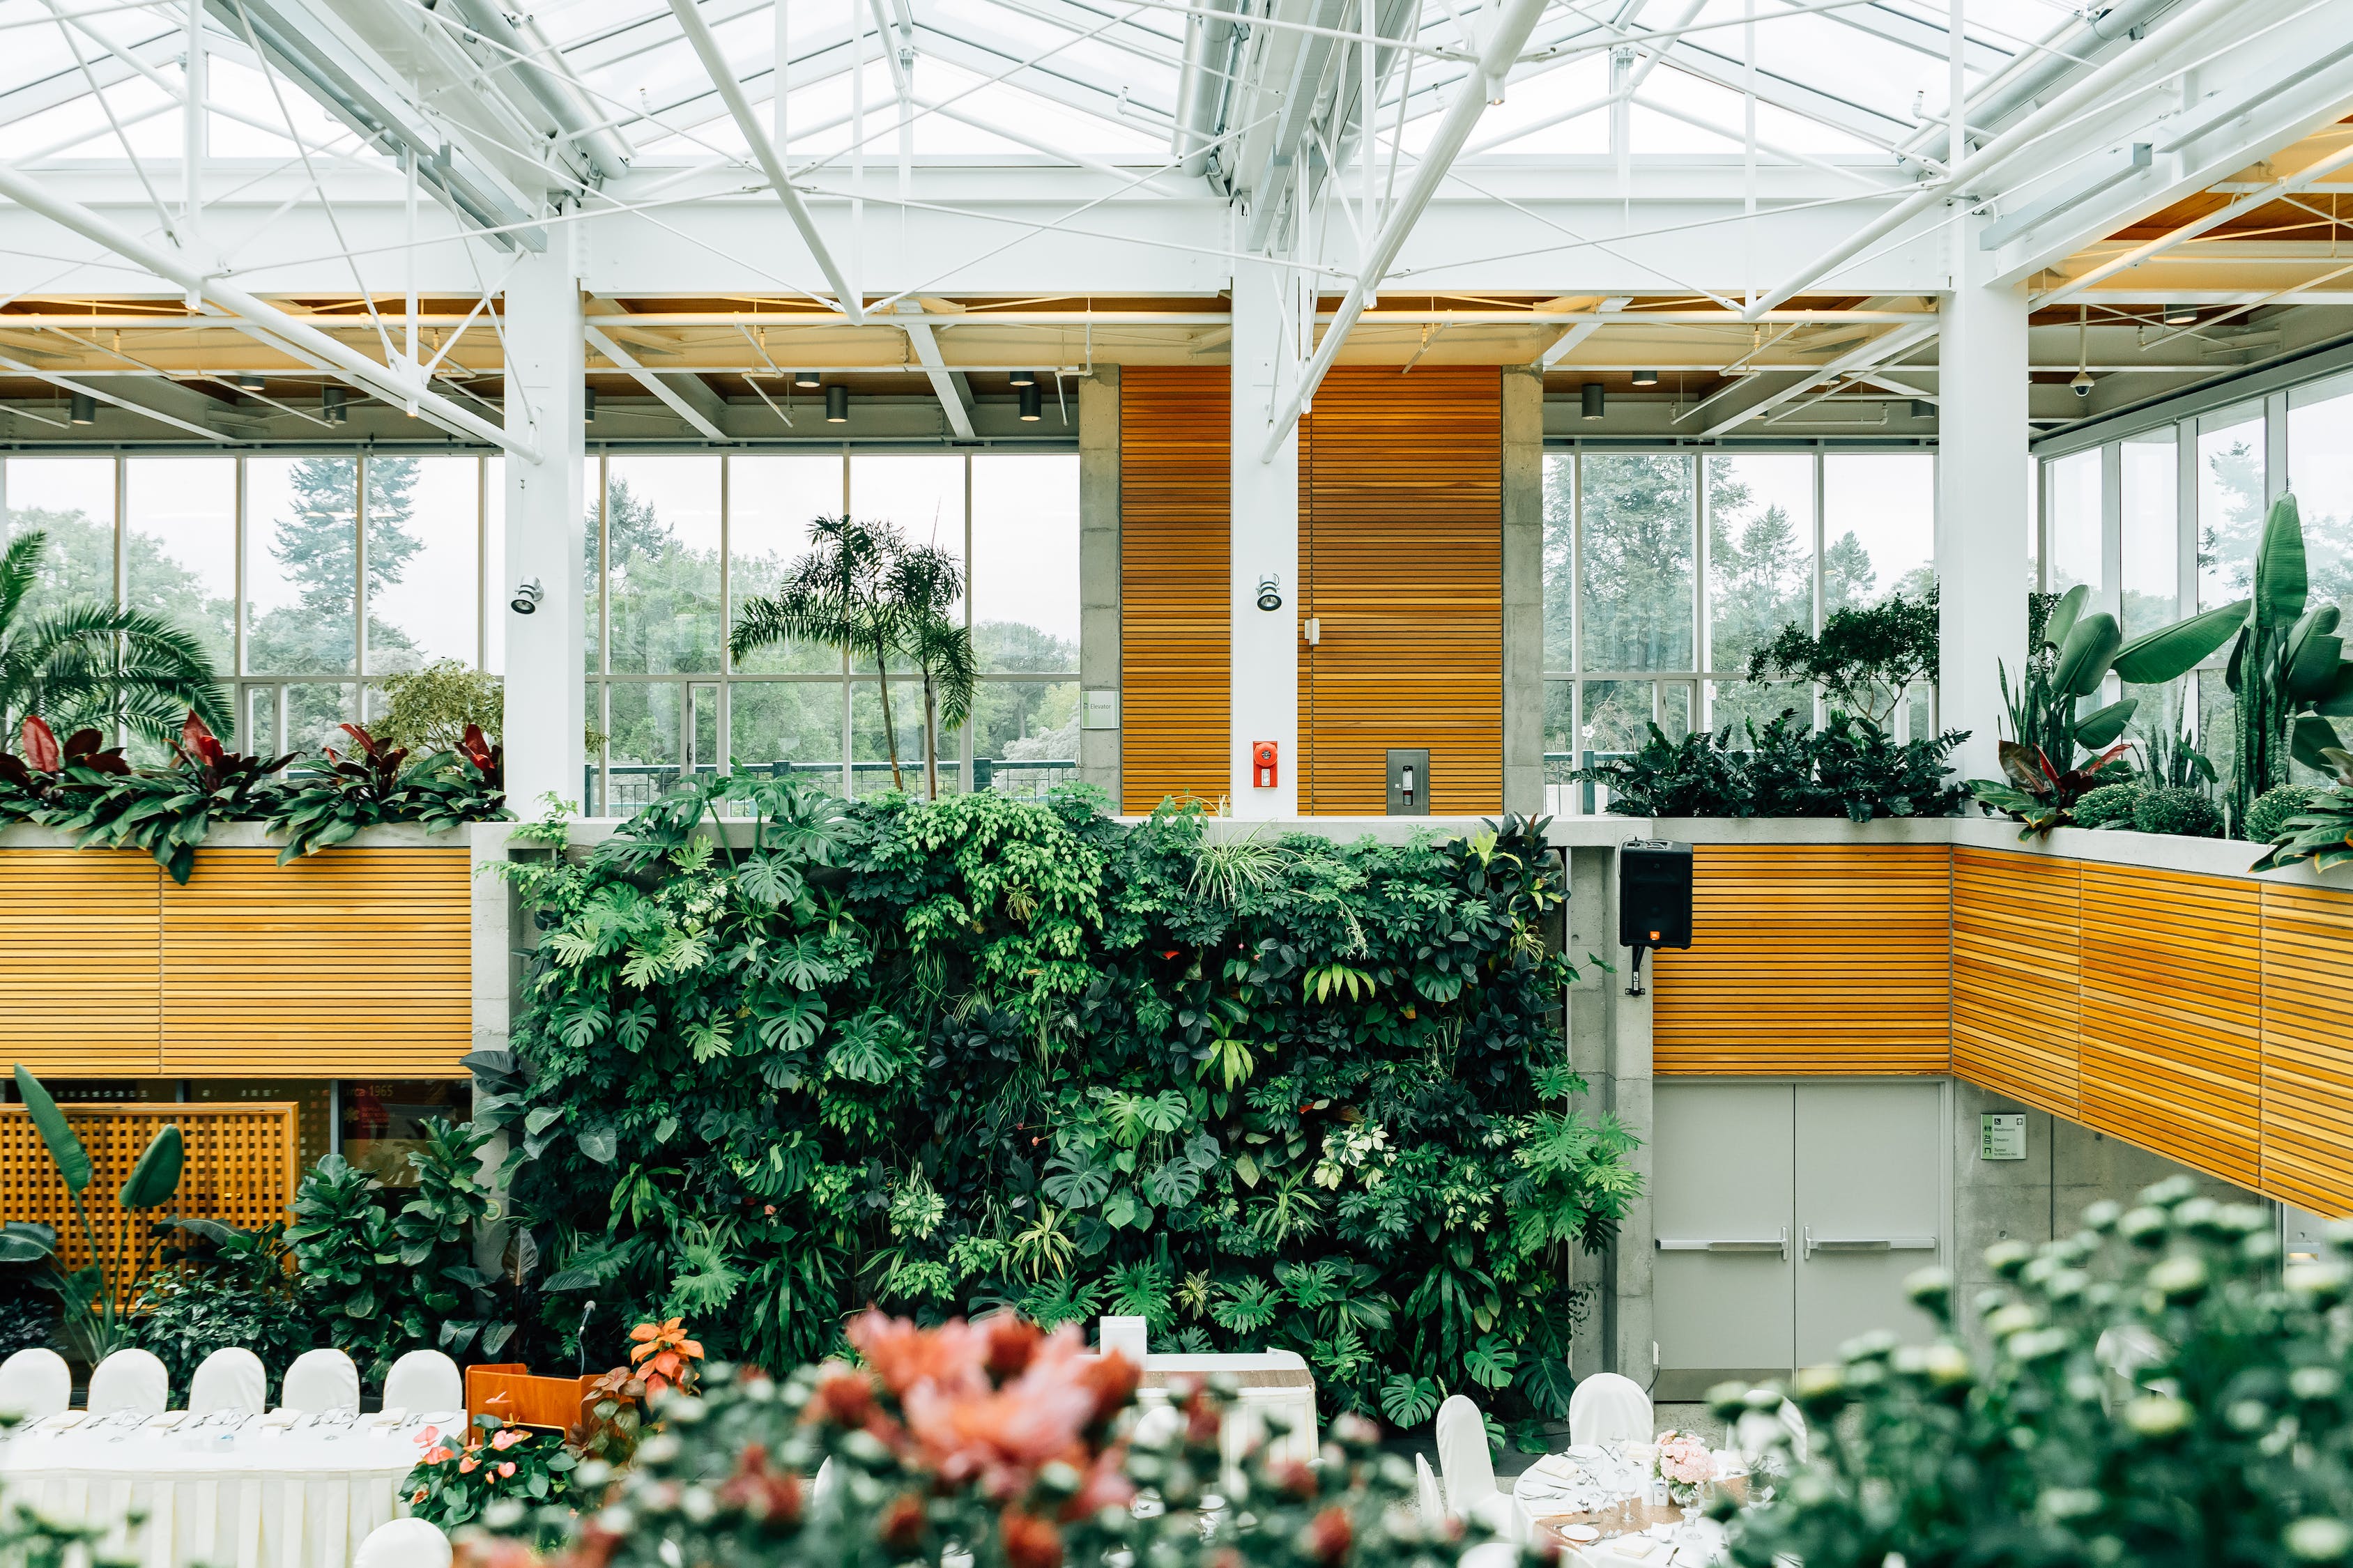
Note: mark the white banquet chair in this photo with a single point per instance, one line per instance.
(231, 1378)
(422, 1381)
(1464, 1460)
(1754, 1433)
(35, 1383)
(404, 1544)
(1431, 1501)
(130, 1380)
(1608, 1407)
(321, 1379)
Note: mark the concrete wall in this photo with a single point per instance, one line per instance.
(1524, 694)
(1099, 578)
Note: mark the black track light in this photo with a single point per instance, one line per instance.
(335, 402)
(1646, 378)
(1032, 401)
(836, 405)
(82, 409)
(1025, 378)
(248, 381)
(587, 403)
(806, 378)
(1590, 396)
(2180, 315)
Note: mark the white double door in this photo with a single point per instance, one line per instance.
(1787, 1216)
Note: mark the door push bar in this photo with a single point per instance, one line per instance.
(1866, 1244)
(1779, 1245)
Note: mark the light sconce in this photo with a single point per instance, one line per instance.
(1032, 402)
(1270, 592)
(1646, 378)
(81, 408)
(527, 596)
(836, 405)
(1590, 397)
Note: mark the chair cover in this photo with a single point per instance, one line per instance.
(130, 1380)
(231, 1378)
(321, 1379)
(1795, 1420)
(1432, 1501)
(404, 1544)
(1756, 1433)
(1462, 1455)
(35, 1382)
(1610, 1408)
(423, 1381)
(1159, 1425)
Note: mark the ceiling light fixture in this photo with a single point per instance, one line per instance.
(2180, 315)
(1025, 378)
(82, 409)
(1032, 400)
(836, 405)
(250, 381)
(807, 378)
(1591, 394)
(1646, 378)
(335, 402)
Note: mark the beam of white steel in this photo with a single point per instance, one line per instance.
(71, 383)
(1511, 30)
(1990, 157)
(1577, 333)
(674, 397)
(256, 316)
(1877, 352)
(2311, 174)
(2108, 170)
(723, 77)
(952, 392)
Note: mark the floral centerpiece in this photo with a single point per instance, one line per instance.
(454, 1482)
(1685, 1464)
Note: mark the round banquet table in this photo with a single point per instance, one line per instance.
(1628, 1532)
(251, 1496)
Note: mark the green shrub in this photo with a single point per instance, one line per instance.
(2111, 805)
(29, 1320)
(1849, 768)
(239, 1293)
(428, 710)
(2267, 818)
(2191, 813)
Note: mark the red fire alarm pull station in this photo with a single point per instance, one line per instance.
(1261, 764)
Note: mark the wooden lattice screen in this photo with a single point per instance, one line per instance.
(240, 1167)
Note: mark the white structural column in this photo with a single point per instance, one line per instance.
(545, 367)
(1983, 530)
(1264, 508)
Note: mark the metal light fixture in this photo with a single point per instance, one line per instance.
(807, 378)
(1591, 395)
(335, 402)
(1025, 378)
(1032, 399)
(248, 381)
(527, 595)
(836, 405)
(82, 409)
(1646, 378)
(587, 403)
(2180, 315)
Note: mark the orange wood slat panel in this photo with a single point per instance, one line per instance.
(2307, 1076)
(2171, 1033)
(350, 963)
(239, 1167)
(1401, 518)
(1175, 617)
(2017, 924)
(1811, 959)
(78, 982)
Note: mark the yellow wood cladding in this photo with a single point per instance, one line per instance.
(1811, 959)
(356, 961)
(2016, 919)
(1175, 575)
(340, 964)
(81, 982)
(239, 1167)
(2307, 1083)
(1400, 557)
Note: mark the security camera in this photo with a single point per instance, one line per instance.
(1270, 592)
(2081, 385)
(527, 598)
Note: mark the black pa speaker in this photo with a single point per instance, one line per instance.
(1654, 894)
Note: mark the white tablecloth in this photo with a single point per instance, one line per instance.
(302, 1497)
(1594, 1478)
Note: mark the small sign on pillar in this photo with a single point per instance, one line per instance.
(2002, 1136)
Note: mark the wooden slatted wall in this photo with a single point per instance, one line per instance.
(1811, 959)
(2016, 923)
(79, 981)
(2307, 1080)
(337, 966)
(2171, 1039)
(1400, 547)
(1175, 573)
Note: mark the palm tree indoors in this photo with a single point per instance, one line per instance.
(97, 664)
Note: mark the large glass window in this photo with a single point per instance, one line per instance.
(1878, 527)
(1760, 570)
(2229, 503)
(1636, 551)
(2072, 522)
(424, 554)
(69, 501)
(179, 546)
(2151, 477)
(2320, 472)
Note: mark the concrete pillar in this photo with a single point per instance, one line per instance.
(1524, 692)
(545, 367)
(1982, 528)
(1099, 611)
(1267, 307)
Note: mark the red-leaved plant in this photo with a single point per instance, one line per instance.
(40, 763)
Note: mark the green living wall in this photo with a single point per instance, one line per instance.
(949, 1056)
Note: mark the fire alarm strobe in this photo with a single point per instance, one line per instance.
(1261, 764)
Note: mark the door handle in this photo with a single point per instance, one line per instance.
(1780, 1244)
(1814, 1244)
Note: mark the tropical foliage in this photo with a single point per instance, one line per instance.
(2321, 829)
(941, 1056)
(1865, 658)
(1849, 768)
(93, 662)
(2157, 1392)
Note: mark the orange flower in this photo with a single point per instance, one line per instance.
(903, 1355)
(1111, 1379)
(844, 1397)
(1029, 1542)
(660, 1353)
(1036, 1417)
(1012, 1341)
(466, 1465)
(438, 1455)
(1329, 1536)
(902, 1522)
(506, 1468)
(507, 1437)
(762, 1492)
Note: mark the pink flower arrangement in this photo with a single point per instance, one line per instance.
(1685, 1464)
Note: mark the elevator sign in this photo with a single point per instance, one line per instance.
(2001, 1137)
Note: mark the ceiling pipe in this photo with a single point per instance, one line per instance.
(2035, 72)
(548, 77)
(1201, 86)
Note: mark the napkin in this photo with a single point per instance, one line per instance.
(60, 1421)
(167, 1420)
(393, 1415)
(1636, 1545)
(1557, 1466)
(281, 1417)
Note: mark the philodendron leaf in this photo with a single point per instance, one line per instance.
(2281, 582)
(157, 1174)
(2171, 652)
(2103, 725)
(599, 1143)
(72, 1159)
(2083, 658)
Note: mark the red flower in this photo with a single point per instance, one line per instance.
(1294, 1477)
(1329, 1536)
(1111, 1379)
(904, 1356)
(1029, 1542)
(1012, 1343)
(844, 1397)
(506, 1468)
(763, 1493)
(902, 1522)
